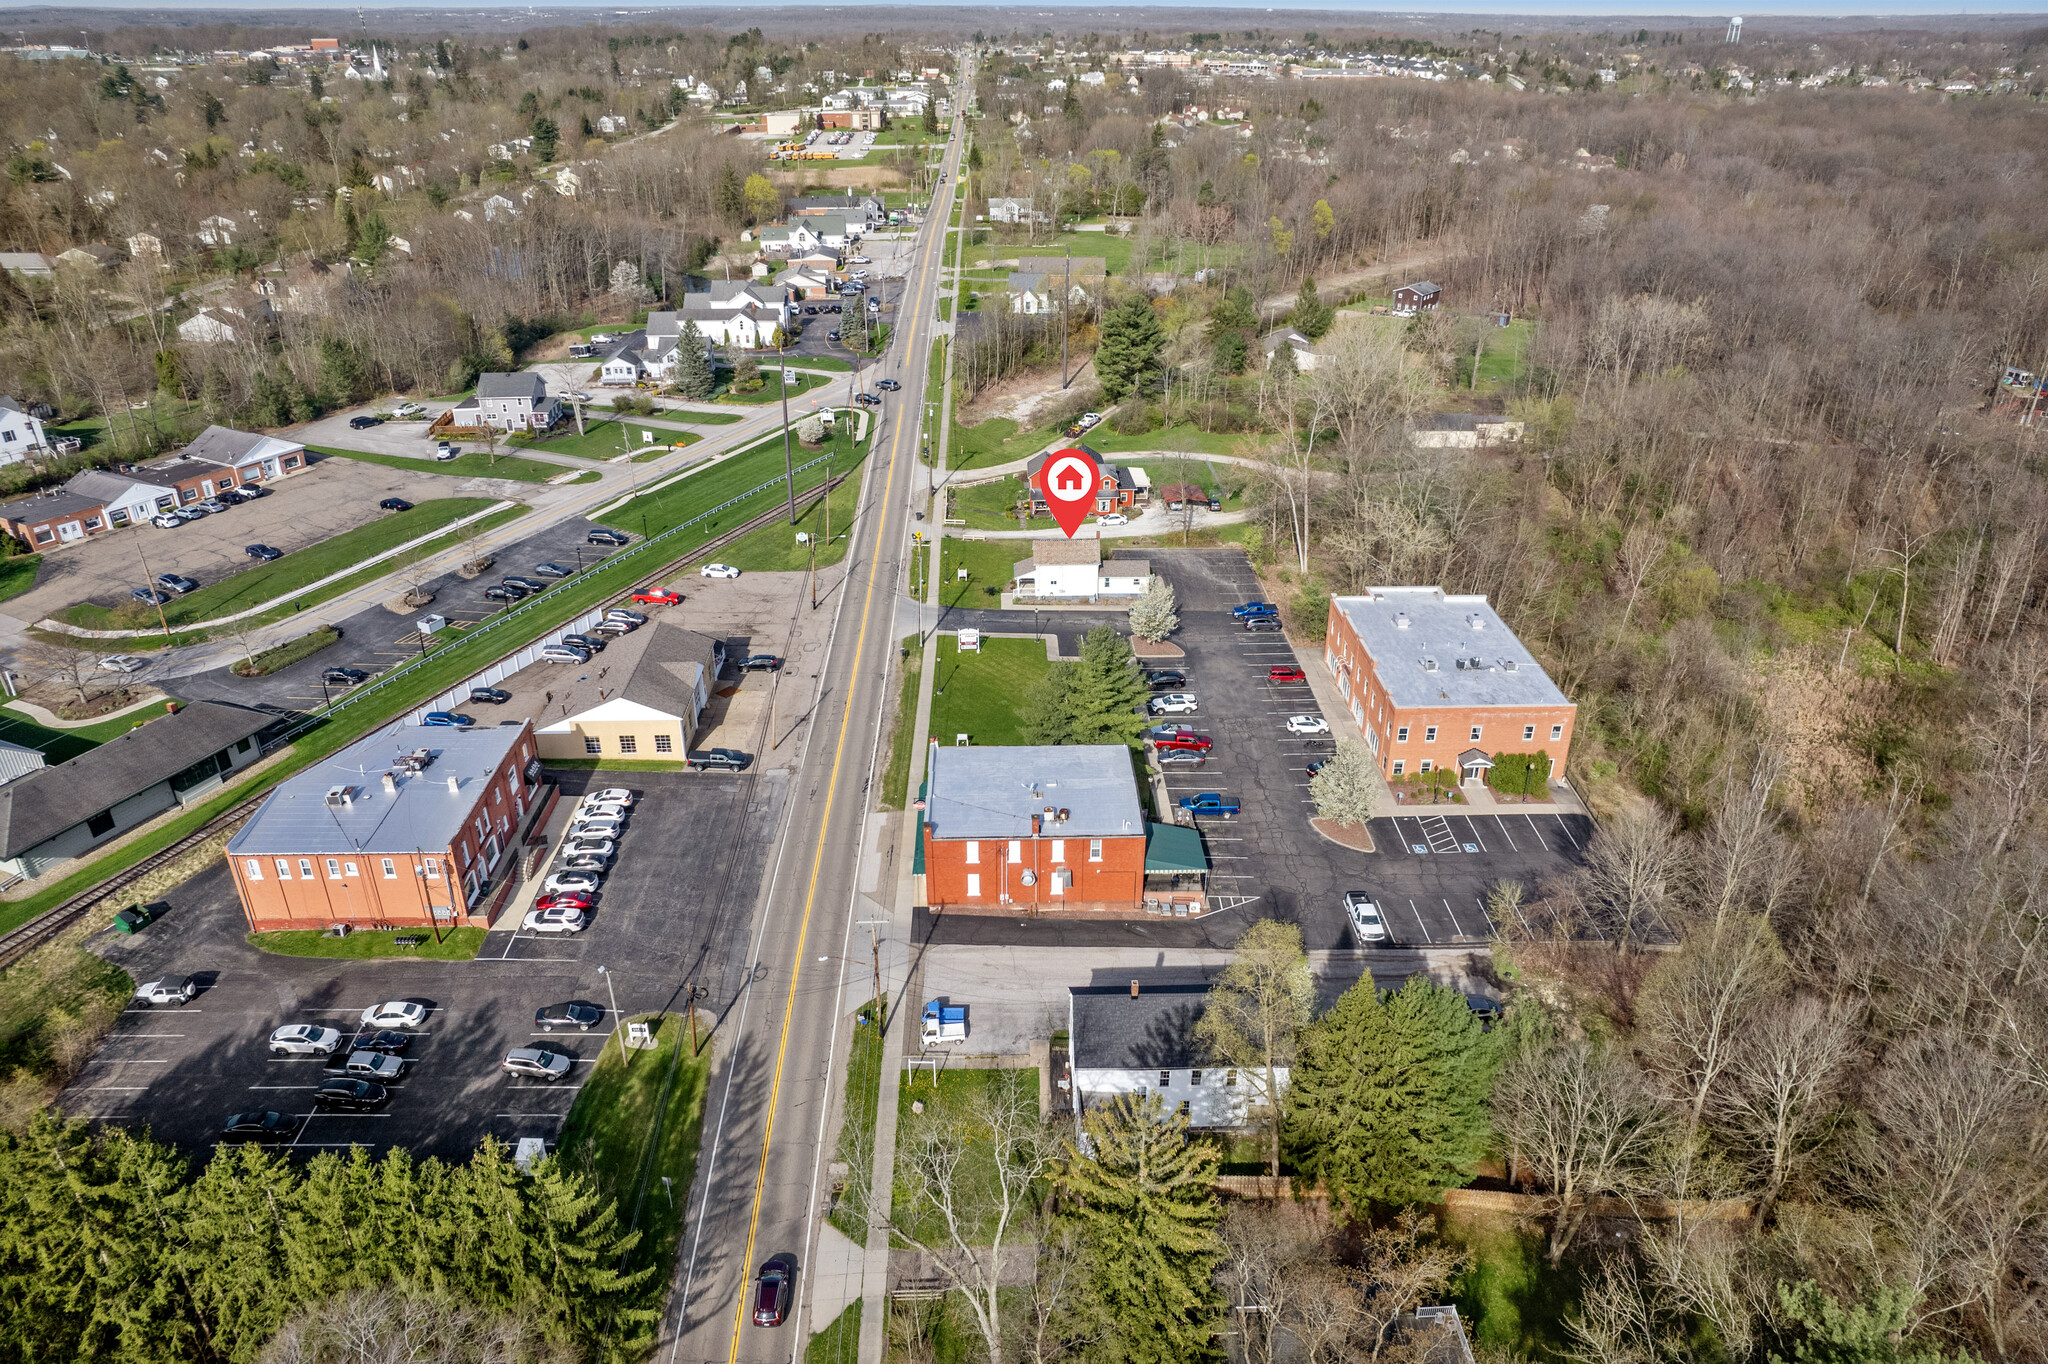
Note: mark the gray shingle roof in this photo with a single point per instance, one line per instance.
(33, 509)
(44, 804)
(223, 443)
(524, 384)
(1449, 629)
(656, 665)
(422, 814)
(994, 792)
(1155, 1031)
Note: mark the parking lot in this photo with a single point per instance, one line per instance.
(674, 911)
(330, 496)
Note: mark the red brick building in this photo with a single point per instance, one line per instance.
(1437, 680)
(409, 827)
(1032, 829)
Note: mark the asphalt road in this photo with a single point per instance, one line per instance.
(675, 911)
(760, 1185)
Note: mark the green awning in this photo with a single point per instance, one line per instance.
(917, 853)
(1171, 849)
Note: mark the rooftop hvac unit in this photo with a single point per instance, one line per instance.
(338, 796)
(1462, 665)
(1429, 665)
(1508, 665)
(417, 761)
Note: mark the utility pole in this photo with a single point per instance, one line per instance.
(875, 948)
(155, 594)
(788, 472)
(1066, 327)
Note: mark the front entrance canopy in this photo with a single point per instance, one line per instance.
(1172, 850)
(1474, 763)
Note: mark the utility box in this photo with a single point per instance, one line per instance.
(430, 625)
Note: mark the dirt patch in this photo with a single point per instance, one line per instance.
(65, 705)
(1355, 836)
(1149, 651)
(1028, 399)
(847, 177)
(1811, 708)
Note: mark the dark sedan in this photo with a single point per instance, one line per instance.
(523, 584)
(394, 504)
(760, 663)
(552, 569)
(364, 423)
(344, 677)
(604, 536)
(264, 552)
(488, 696)
(380, 1040)
(570, 1015)
(342, 1092)
(504, 593)
(258, 1126)
(771, 1292)
(584, 642)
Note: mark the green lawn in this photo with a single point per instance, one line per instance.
(771, 387)
(838, 1343)
(895, 781)
(607, 438)
(856, 1147)
(1192, 438)
(635, 1127)
(286, 654)
(978, 694)
(1512, 1297)
(62, 745)
(990, 566)
(774, 548)
(457, 944)
(265, 582)
(696, 418)
(1113, 250)
(18, 574)
(956, 1089)
(991, 506)
(654, 512)
(1501, 361)
(471, 463)
(54, 997)
(996, 441)
(828, 362)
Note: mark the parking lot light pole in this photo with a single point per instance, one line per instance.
(614, 994)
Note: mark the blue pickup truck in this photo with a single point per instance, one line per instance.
(1252, 609)
(1209, 803)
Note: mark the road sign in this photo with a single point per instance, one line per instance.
(1068, 480)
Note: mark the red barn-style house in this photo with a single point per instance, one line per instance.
(1437, 680)
(1119, 488)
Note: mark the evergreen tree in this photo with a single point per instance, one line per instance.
(233, 1253)
(1386, 1103)
(168, 376)
(1142, 1199)
(1311, 316)
(1047, 713)
(728, 197)
(373, 238)
(931, 115)
(695, 375)
(545, 137)
(1229, 352)
(578, 1249)
(1862, 1333)
(341, 371)
(1129, 351)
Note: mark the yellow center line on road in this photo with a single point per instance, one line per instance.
(739, 1314)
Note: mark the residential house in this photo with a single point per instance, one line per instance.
(802, 282)
(50, 816)
(645, 699)
(808, 232)
(245, 456)
(611, 124)
(819, 260)
(21, 432)
(497, 207)
(1121, 487)
(29, 264)
(568, 182)
(1437, 680)
(1420, 297)
(1013, 211)
(146, 246)
(408, 827)
(859, 210)
(219, 230)
(1072, 570)
(1463, 431)
(91, 256)
(1138, 1036)
(511, 402)
(234, 318)
(1302, 349)
(1031, 828)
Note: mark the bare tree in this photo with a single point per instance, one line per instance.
(1781, 1095)
(1631, 869)
(71, 667)
(966, 1184)
(2012, 737)
(1257, 1007)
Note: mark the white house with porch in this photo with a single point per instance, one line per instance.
(21, 434)
(1072, 570)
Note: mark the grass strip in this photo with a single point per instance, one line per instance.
(856, 1149)
(895, 780)
(61, 745)
(838, 1343)
(457, 944)
(286, 654)
(18, 574)
(654, 512)
(771, 388)
(977, 694)
(774, 549)
(469, 464)
(949, 1098)
(635, 1129)
(607, 438)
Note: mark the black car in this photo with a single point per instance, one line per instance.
(570, 1015)
(868, 399)
(759, 663)
(718, 759)
(264, 552)
(344, 677)
(342, 1092)
(834, 309)
(380, 1040)
(1215, 504)
(832, 336)
(235, 497)
(257, 1126)
(488, 696)
(523, 583)
(603, 536)
(810, 310)
(771, 1292)
(505, 593)
(1167, 680)
(1262, 624)
(585, 642)
(552, 569)
(887, 385)
(364, 423)
(394, 504)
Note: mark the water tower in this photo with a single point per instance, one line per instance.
(1735, 30)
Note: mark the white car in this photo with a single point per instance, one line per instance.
(167, 521)
(582, 882)
(861, 260)
(589, 812)
(719, 571)
(169, 990)
(123, 663)
(1307, 724)
(591, 845)
(304, 1039)
(611, 795)
(1173, 703)
(1365, 917)
(404, 410)
(595, 826)
(1113, 519)
(395, 1013)
(563, 920)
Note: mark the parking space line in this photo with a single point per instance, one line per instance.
(1567, 829)
(116, 1061)
(1538, 832)
(1456, 927)
(113, 1089)
(556, 1087)
(147, 1010)
(1492, 929)
(132, 1036)
(1505, 834)
(282, 1088)
(1418, 922)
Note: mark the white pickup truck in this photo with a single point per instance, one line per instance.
(944, 1025)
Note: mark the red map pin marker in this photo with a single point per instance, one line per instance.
(1068, 479)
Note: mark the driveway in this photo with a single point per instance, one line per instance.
(675, 911)
(406, 438)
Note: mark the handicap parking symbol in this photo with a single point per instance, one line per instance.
(1471, 847)
(1420, 847)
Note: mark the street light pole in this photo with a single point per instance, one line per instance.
(782, 382)
(606, 973)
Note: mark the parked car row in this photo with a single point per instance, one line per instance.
(587, 853)
(219, 502)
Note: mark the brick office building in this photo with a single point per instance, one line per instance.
(1032, 828)
(1437, 680)
(409, 826)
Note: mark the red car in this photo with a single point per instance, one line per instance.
(659, 597)
(564, 900)
(1184, 743)
(1286, 675)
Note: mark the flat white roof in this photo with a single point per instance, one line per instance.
(1435, 648)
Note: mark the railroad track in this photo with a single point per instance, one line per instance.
(19, 942)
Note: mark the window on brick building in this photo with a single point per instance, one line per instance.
(1094, 850)
(1401, 735)
(1528, 732)
(1399, 765)
(1557, 731)
(305, 869)
(284, 870)
(1426, 764)
(664, 743)
(390, 870)
(333, 869)
(1429, 735)
(252, 869)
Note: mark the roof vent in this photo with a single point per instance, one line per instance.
(1461, 665)
(1508, 665)
(454, 786)
(339, 796)
(1065, 814)
(1476, 621)
(1134, 989)
(1400, 620)
(1429, 665)
(390, 784)
(1477, 665)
